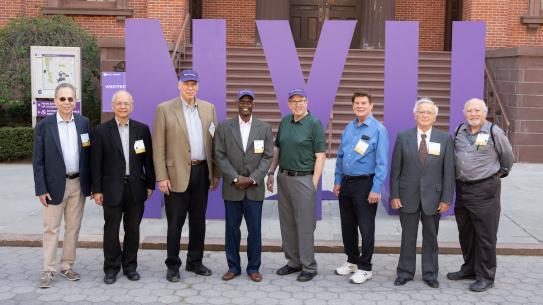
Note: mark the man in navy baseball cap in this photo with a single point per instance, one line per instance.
(188, 75)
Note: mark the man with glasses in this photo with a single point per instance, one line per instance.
(300, 153)
(60, 160)
(183, 134)
(361, 169)
(421, 187)
(123, 177)
(483, 155)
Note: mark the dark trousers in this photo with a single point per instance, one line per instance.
(234, 212)
(477, 214)
(408, 250)
(194, 202)
(130, 212)
(357, 214)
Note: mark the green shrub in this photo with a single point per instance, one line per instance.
(15, 79)
(16, 143)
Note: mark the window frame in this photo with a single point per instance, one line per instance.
(534, 17)
(118, 8)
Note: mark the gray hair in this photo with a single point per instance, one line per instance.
(425, 100)
(119, 92)
(64, 85)
(479, 101)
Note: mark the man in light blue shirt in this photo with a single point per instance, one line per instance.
(361, 169)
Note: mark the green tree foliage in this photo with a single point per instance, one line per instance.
(16, 143)
(18, 36)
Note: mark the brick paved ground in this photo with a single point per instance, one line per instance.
(519, 281)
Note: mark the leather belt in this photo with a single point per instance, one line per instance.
(126, 177)
(475, 181)
(72, 176)
(295, 173)
(196, 162)
(354, 178)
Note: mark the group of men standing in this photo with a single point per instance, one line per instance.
(189, 151)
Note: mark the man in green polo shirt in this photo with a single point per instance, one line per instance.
(299, 152)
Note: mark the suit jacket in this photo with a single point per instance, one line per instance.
(171, 146)
(109, 166)
(232, 161)
(414, 184)
(48, 161)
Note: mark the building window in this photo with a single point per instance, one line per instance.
(534, 17)
(117, 8)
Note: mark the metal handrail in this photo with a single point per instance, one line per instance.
(181, 37)
(497, 100)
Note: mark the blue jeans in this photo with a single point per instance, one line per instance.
(234, 212)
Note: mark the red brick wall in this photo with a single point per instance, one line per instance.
(431, 17)
(240, 19)
(504, 28)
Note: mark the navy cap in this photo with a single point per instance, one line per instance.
(243, 92)
(187, 75)
(297, 91)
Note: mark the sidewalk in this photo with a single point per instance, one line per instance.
(520, 232)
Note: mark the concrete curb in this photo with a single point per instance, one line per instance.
(268, 245)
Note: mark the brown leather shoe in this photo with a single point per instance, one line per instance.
(228, 276)
(255, 276)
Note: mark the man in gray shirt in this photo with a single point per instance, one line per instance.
(483, 155)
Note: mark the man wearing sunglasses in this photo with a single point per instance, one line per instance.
(60, 161)
(123, 177)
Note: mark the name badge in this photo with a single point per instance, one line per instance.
(212, 129)
(85, 141)
(361, 147)
(259, 146)
(482, 139)
(434, 148)
(139, 147)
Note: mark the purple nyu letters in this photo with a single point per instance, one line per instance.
(151, 76)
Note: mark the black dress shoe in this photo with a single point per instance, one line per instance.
(400, 281)
(460, 275)
(200, 270)
(305, 276)
(132, 275)
(432, 283)
(481, 285)
(172, 276)
(110, 278)
(286, 269)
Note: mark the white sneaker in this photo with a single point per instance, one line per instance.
(360, 276)
(346, 268)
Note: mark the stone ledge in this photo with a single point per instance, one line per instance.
(514, 52)
(269, 245)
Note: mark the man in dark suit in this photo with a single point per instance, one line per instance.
(123, 177)
(422, 187)
(243, 152)
(62, 180)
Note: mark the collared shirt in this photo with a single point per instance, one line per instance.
(475, 162)
(298, 142)
(125, 140)
(374, 160)
(194, 128)
(419, 137)
(69, 143)
(245, 129)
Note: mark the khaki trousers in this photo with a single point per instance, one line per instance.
(71, 207)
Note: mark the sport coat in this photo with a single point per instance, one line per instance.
(232, 161)
(109, 166)
(48, 161)
(171, 145)
(413, 183)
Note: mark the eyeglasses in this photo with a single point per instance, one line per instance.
(297, 102)
(64, 99)
(425, 112)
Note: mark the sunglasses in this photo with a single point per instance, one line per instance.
(63, 99)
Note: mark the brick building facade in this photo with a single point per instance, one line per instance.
(514, 38)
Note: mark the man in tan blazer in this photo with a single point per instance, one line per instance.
(183, 156)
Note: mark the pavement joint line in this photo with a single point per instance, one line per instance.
(522, 228)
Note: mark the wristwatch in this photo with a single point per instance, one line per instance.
(236, 180)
